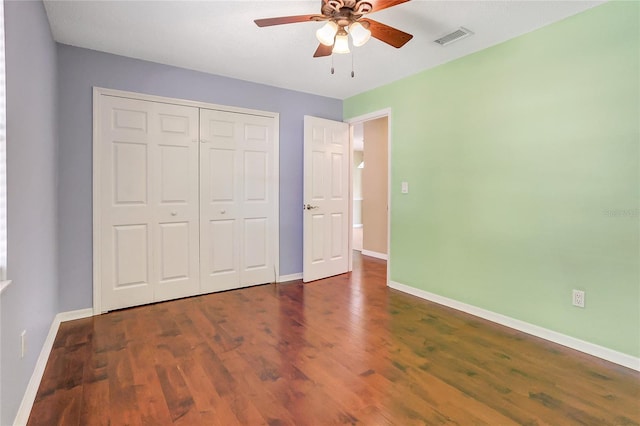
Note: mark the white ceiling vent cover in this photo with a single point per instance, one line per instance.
(458, 34)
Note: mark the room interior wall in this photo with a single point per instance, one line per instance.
(358, 157)
(375, 184)
(523, 166)
(31, 301)
(81, 69)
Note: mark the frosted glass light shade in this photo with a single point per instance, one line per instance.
(327, 33)
(359, 34)
(342, 44)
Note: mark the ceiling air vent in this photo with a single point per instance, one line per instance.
(454, 36)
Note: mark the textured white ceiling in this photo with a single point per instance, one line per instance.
(219, 37)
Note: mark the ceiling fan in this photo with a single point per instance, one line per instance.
(344, 18)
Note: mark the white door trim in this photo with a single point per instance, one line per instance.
(386, 112)
(183, 102)
(97, 93)
(95, 207)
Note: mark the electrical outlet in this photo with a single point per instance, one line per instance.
(23, 343)
(578, 298)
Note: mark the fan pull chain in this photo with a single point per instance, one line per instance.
(353, 74)
(332, 69)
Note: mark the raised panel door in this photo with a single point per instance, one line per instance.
(326, 198)
(149, 202)
(175, 201)
(237, 172)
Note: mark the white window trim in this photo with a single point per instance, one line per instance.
(4, 283)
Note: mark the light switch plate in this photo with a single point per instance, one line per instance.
(405, 187)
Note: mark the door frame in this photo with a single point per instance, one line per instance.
(97, 164)
(386, 112)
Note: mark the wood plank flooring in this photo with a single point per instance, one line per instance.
(344, 350)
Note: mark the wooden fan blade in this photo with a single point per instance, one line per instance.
(389, 35)
(323, 50)
(384, 4)
(267, 22)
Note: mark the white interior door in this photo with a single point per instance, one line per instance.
(238, 187)
(326, 198)
(148, 201)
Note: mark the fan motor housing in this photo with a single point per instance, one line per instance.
(346, 10)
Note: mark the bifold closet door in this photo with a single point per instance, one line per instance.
(149, 202)
(236, 200)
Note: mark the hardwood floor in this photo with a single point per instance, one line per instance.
(344, 350)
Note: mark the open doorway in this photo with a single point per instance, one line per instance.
(370, 179)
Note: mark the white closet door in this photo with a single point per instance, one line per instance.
(237, 219)
(149, 201)
(177, 210)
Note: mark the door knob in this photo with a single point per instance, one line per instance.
(309, 207)
(174, 213)
(223, 211)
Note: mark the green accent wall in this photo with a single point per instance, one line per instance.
(523, 169)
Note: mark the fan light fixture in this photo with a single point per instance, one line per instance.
(359, 34)
(327, 33)
(342, 42)
(331, 34)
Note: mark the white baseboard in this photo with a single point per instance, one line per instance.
(292, 277)
(34, 383)
(74, 315)
(544, 333)
(374, 254)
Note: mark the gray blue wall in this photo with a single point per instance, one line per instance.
(31, 302)
(81, 69)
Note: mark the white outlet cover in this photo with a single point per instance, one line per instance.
(578, 298)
